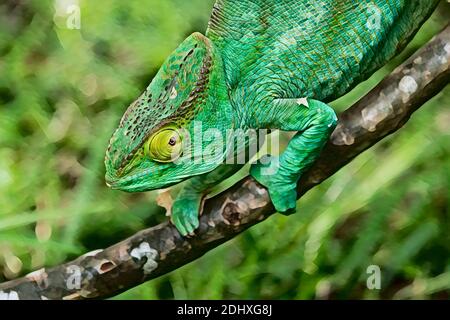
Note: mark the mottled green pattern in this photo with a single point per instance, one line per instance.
(255, 68)
(319, 49)
(62, 93)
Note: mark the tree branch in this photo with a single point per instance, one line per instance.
(158, 250)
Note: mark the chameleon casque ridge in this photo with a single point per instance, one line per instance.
(263, 64)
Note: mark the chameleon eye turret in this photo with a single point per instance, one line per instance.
(188, 88)
(165, 145)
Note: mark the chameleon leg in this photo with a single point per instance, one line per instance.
(314, 121)
(188, 204)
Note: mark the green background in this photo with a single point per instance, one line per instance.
(63, 91)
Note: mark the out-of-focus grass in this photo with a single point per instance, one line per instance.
(62, 93)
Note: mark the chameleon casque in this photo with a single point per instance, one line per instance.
(263, 64)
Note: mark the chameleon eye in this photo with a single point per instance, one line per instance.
(164, 145)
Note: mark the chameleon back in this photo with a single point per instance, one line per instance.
(320, 49)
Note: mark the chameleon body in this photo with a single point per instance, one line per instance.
(263, 64)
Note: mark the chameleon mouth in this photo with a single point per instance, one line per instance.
(128, 183)
(111, 182)
(141, 181)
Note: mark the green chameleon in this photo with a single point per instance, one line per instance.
(263, 64)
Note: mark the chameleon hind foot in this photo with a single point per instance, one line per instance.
(314, 121)
(282, 193)
(185, 213)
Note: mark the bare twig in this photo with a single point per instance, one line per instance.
(156, 251)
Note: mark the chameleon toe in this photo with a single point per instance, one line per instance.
(179, 225)
(282, 193)
(284, 202)
(190, 225)
(185, 215)
(194, 222)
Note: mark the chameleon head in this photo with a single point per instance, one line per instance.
(152, 147)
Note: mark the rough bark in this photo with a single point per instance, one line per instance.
(158, 250)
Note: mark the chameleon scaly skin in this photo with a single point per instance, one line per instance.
(263, 64)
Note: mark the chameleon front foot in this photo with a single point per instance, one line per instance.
(282, 193)
(185, 213)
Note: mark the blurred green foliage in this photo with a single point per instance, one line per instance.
(62, 92)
